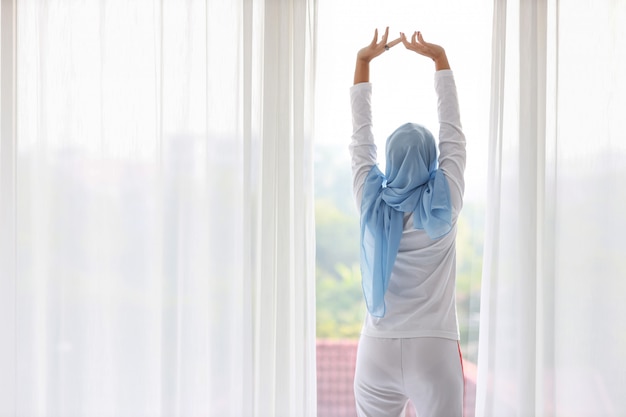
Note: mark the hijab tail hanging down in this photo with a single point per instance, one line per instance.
(378, 253)
(412, 184)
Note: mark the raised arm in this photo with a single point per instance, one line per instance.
(362, 147)
(452, 152)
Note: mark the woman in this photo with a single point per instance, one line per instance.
(409, 343)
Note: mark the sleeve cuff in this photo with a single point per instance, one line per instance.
(443, 73)
(361, 87)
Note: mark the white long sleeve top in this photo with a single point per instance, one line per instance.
(420, 299)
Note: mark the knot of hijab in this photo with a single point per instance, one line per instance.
(411, 184)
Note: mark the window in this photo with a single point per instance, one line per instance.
(402, 91)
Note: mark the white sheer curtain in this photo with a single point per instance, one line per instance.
(553, 317)
(157, 241)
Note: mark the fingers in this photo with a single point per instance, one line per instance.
(416, 38)
(412, 45)
(404, 40)
(375, 40)
(393, 43)
(385, 36)
(420, 38)
(416, 43)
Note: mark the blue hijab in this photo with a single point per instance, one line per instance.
(412, 183)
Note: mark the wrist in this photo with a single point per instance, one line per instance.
(361, 71)
(441, 63)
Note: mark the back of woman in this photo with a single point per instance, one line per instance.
(409, 342)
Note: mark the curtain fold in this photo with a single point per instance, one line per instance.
(552, 322)
(7, 208)
(162, 255)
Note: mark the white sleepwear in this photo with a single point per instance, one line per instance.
(426, 370)
(420, 298)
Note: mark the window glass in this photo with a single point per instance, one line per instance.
(402, 91)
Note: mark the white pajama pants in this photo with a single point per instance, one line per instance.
(426, 370)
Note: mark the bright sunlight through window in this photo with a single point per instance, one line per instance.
(402, 91)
